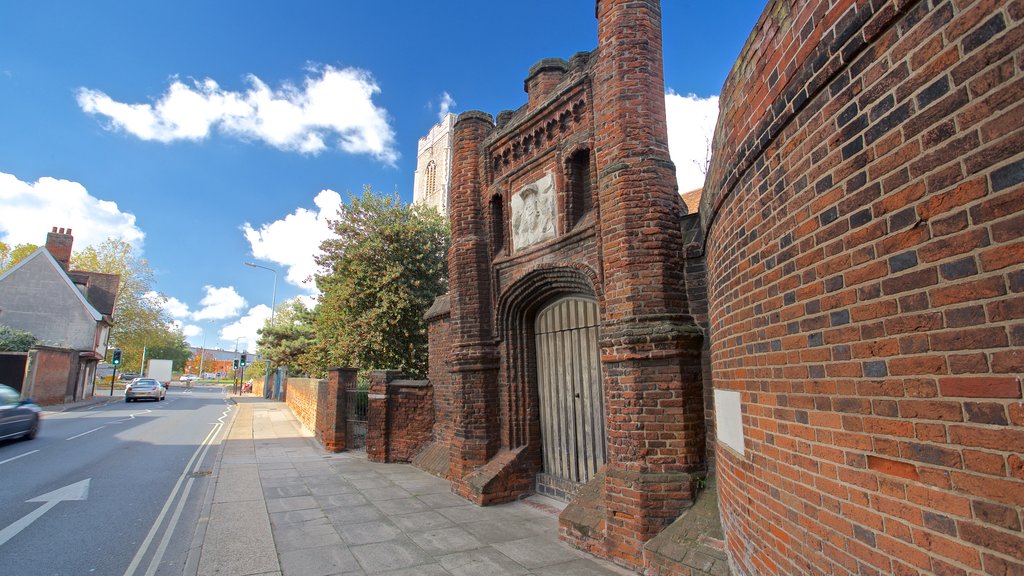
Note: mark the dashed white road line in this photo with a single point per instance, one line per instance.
(18, 456)
(84, 433)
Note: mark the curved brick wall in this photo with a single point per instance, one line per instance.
(864, 215)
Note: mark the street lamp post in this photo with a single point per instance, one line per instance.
(273, 306)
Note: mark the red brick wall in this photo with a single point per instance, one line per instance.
(439, 344)
(400, 419)
(864, 214)
(410, 417)
(302, 399)
(52, 369)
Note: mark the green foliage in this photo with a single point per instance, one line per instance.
(289, 341)
(139, 319)
(10, 256)
(12, 340)
(381, 272)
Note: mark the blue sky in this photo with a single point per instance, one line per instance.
(212, 133)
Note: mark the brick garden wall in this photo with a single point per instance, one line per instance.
(302, 399)
(439, 343)
(864, 215)
(400, 417)
(51, 370)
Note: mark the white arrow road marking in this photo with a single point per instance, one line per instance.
(18, 456)
(76, 491)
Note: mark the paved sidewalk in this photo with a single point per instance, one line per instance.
(282, 505)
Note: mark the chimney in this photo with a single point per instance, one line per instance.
(58, 243)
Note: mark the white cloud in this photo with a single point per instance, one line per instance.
(332, 108)
(691, 127)
(174, 307)
(219, 303)
(31, 209)
(189, 330)
(294, 241)
(244, 329)
(446, 105)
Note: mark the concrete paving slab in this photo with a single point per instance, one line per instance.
(442, 500)
(288, 491)
(238, 483)
(390, 493)
(330, 488)
(400, 506)
(292, 503)
(483, 561)
(581, 567)
(391, 555)
(490, 532)
(288, 471)
(368, 532)
(537, 551)
(375, 481)
(298, 517)
(420, 521)
(320, 561)
(289, 538)
(353, 515)
(422, 570)
(345, 500)
(445, 541)
(238, 541)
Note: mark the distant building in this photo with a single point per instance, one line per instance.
(433, 166)
(214, 361)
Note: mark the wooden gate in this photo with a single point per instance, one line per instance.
(569, 383)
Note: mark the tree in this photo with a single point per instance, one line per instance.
(13, 340)
(291, 337)
(9, 256)
(139, 319)
(380, 273)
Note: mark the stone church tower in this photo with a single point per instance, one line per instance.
(433, 166)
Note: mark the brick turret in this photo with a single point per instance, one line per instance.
(543, 78)
(650, 344)
(474, 360)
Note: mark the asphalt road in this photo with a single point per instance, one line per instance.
(121, 486)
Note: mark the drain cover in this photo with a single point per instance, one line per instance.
(200, 473)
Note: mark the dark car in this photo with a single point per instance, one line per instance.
(18, 418)
(144, 389)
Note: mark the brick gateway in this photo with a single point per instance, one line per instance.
(837, 337)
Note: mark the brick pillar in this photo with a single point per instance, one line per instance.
(650, 345)
(377, 425)
(331, 408)
(474, 354)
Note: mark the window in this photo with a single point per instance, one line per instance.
(497, 224)
(580, 186)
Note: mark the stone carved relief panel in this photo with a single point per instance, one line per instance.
(534, 213)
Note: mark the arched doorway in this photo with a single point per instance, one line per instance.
(571, 397)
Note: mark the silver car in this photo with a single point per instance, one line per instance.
(18, 418)
(144, 389)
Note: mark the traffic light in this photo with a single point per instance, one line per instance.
(115, 357)
(234, 365)
(241, 360)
